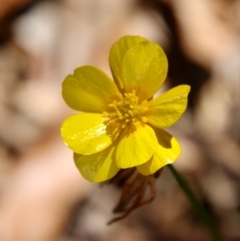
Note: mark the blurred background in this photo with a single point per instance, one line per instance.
(42, 195)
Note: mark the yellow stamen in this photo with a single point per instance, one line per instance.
(126, 111)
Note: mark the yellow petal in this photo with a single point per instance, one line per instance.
(165, 110)
(167, 152)
(97, 167)
(144, 68)
(89, 90)
(136, 146)
(117, 53)
(86, 133)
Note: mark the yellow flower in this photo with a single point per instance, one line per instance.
(123, 126)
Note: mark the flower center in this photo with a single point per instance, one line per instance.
(126, 111)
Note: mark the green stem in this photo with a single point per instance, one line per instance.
(197, 205)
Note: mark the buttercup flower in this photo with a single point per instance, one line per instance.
(122, 125)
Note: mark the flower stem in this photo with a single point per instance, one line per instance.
(205, 217)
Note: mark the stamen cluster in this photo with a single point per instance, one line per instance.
(127, 110)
